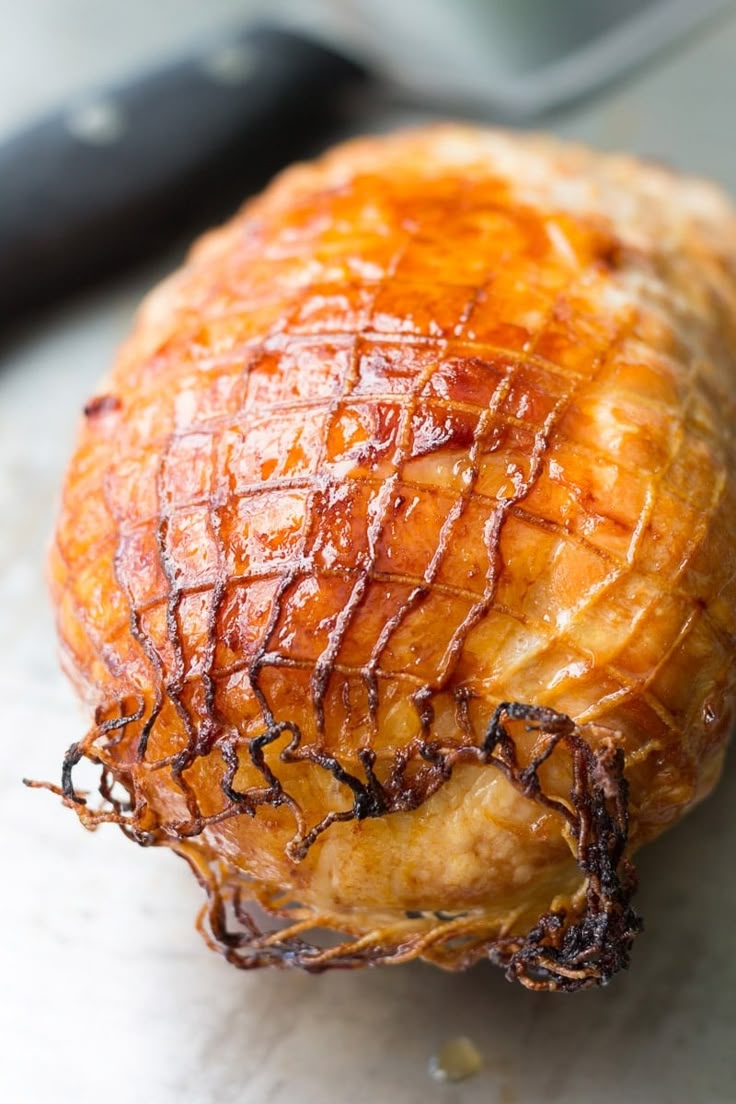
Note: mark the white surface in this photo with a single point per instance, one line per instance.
(106, 993)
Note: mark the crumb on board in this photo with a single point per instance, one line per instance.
(456, 1060)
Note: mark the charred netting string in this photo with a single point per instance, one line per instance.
(560, 952)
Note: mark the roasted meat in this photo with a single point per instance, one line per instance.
(396, 558)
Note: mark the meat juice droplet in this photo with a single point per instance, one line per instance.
(456, 1060)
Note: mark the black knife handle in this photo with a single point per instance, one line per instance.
(95, 187)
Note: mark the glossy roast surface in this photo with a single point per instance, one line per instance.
(396, 557)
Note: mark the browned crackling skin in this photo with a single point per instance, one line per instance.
(558, 953)
(442, 421)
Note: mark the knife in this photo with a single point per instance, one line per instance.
(101, 184)
(110, 178)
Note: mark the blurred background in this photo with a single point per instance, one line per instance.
(107, 992)
(53, 50)
(146, 122)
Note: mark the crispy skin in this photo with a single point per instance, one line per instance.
(439, 422)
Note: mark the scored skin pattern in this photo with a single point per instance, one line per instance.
(438, 422)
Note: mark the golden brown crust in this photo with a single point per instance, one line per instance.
(439, 422)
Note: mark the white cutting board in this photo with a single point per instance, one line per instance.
(106, 993)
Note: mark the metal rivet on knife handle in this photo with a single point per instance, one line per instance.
(100, 123)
